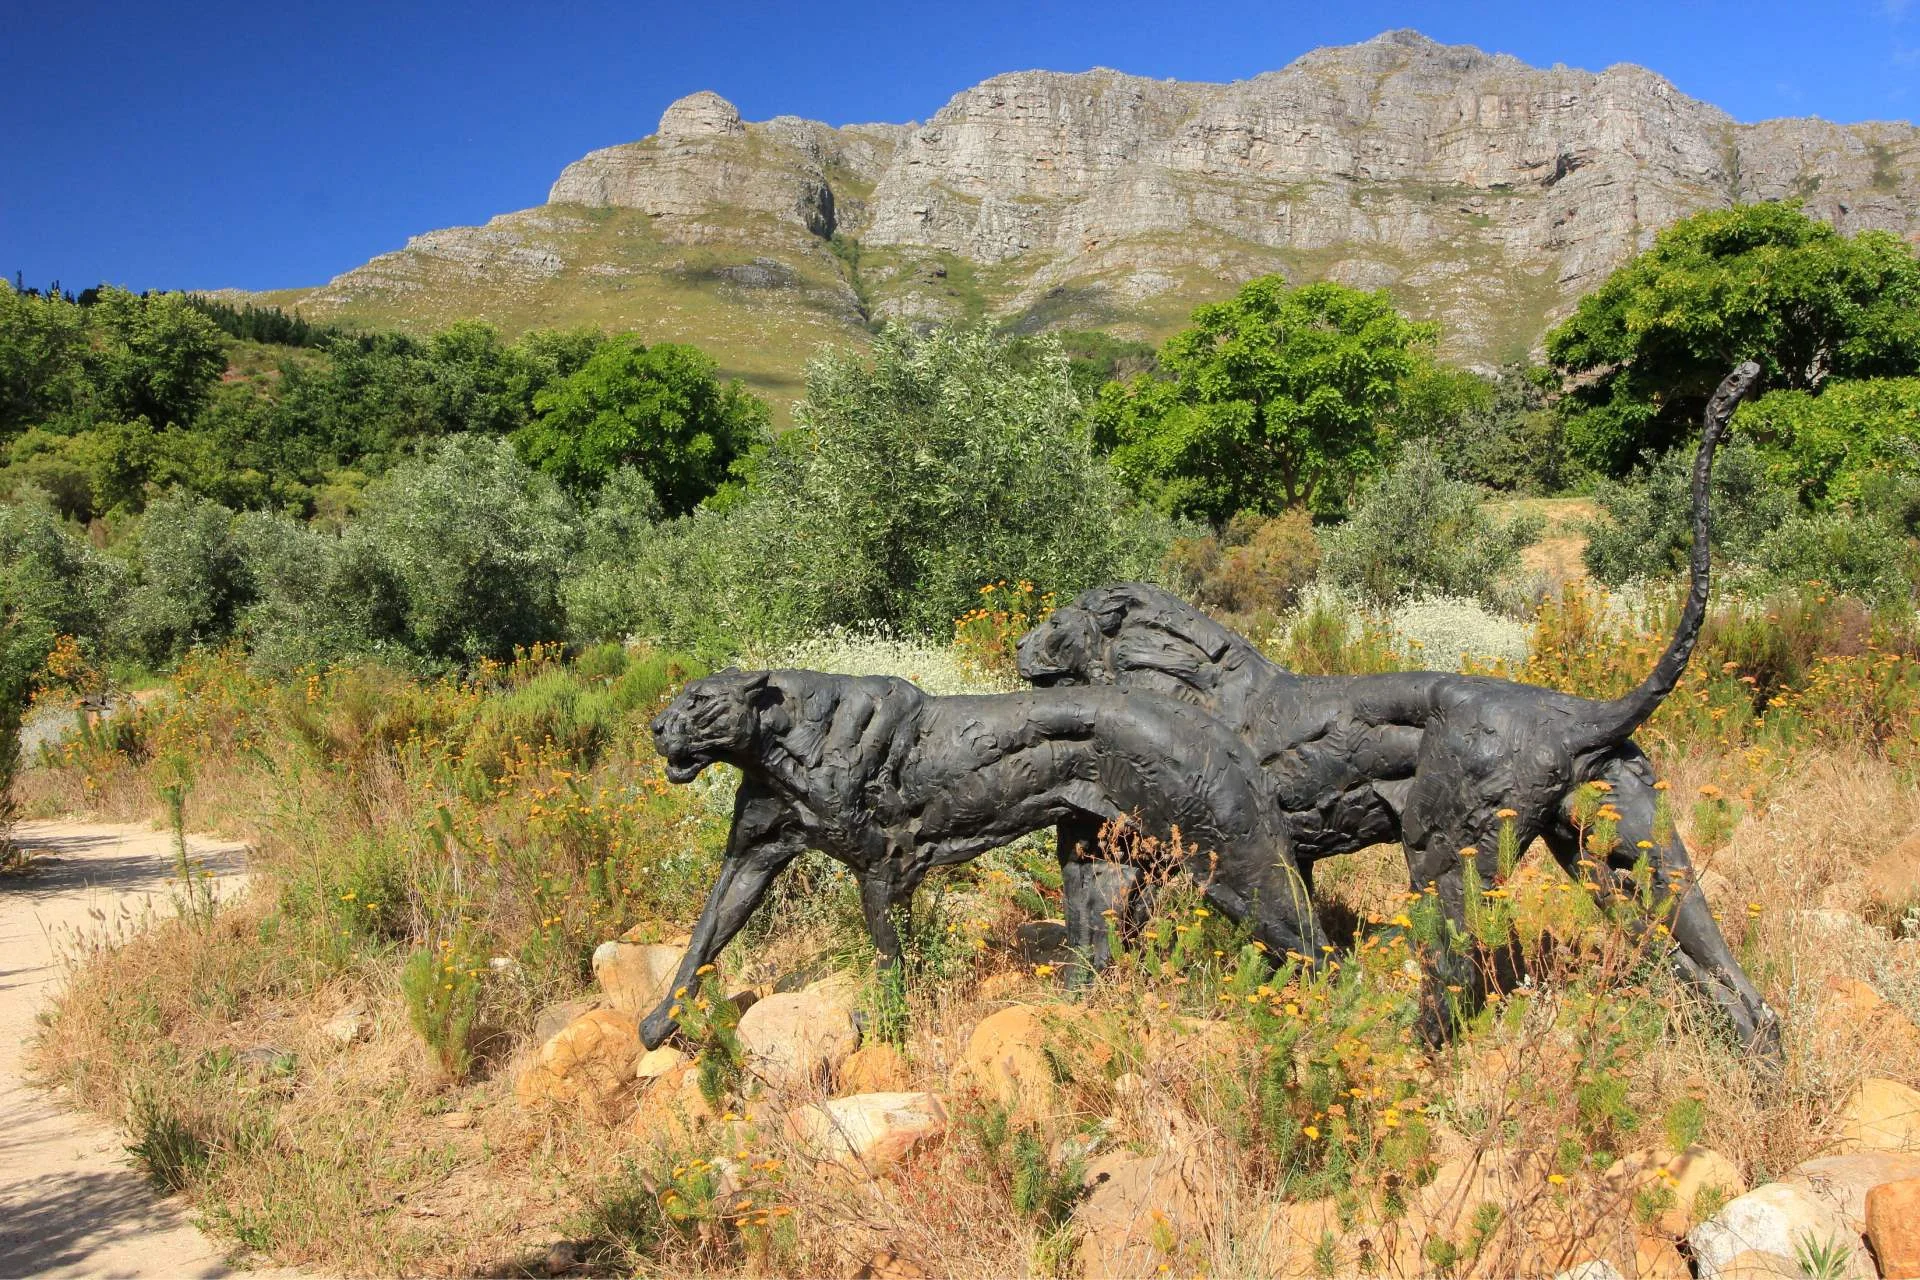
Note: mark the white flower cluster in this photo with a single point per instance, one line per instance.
(935, 668)
(1442, 632)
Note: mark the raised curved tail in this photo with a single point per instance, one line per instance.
(1614, 722)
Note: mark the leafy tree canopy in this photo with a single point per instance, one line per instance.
(662, 410)
(1266, 401)
(1831, 447)
(1762, 282)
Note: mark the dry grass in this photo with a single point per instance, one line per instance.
(341, 1157)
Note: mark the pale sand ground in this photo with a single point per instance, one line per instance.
(70, 1205)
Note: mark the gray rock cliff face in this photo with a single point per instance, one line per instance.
(1487, 194)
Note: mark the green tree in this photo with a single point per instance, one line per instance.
(1648, 527)
(1828, 447)
(1269, 400)
(1762, 282)
(156, 357)
(662, 410)
(475, 543)
(41, 343)
(193, 582)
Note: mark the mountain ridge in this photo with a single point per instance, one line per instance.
(1485, 193)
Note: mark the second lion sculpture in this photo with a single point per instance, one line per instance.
(1430, 758)
(892, 782)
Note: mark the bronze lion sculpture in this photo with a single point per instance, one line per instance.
(892, 782)
(1431, 759)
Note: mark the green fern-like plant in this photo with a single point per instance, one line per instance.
(442, 990)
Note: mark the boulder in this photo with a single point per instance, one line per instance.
(587, 1065)
(347, 1026)
(671, 1109)
(635, 976)
(1597, 1269)
(1893, 879)
(1881, 1115)
(1141, 1210)
(1005, 1060)
(1655, 1258)
(799, 1038)
(1893, 1228)
(655, 1063)
(553, 1018)
(1039, 942)
(1686, 1174)
(1756, 1264)
(1853, 1012)
(1844, 1181)
(1773, 1221)
(874, 1068)
(868, 1131)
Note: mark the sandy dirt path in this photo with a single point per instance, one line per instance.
(69, 1203)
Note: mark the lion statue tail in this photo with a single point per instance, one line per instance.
(1614, 722)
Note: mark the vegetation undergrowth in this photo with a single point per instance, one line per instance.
(445, 854)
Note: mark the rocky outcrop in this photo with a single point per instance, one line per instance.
(703, 163)
(1486, 193)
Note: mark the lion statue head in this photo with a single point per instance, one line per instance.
(1128, 633)
(717, 718)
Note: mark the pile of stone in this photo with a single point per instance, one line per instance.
(849, 1108)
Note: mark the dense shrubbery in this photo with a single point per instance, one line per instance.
(442, 500)
(1417, 530)
(913, 476)
(1863, 547)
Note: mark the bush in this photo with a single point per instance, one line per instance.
(53, 583)
(1759, 527)
(1829, 447)
(1256, 565)
(1418, 532)
(599, 593)
(321, 598)
(1647, 532)
(193, 580)
(442, 989)
(456, 557)
(475, 543)
(948, 461)
(1856, 555)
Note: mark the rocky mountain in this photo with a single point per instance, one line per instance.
(1485, 193)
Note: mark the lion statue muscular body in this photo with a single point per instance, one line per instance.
(893, 782)
(1431, 759)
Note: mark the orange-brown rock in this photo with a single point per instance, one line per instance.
(1844, 1181)
(634, 975)
(1006, 1061)
(1854, 1013)
(671, 1109)
(1683, 1174)
(874, 1068)
(867, 1131)
(1145, 1211)
(1893, 1228)
(1881, 1115)
(798, 1038)
(1893, 879)
(587, 1066)
(888, 1265)
(1655, 1258)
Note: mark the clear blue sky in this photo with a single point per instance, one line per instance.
(201, 144)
